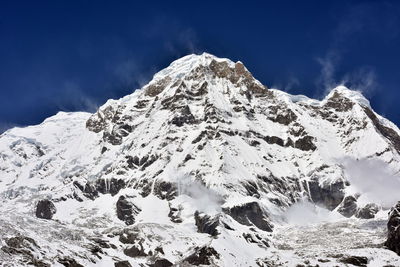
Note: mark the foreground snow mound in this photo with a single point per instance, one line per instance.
(202, 166)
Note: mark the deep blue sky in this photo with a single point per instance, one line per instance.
(74, 55)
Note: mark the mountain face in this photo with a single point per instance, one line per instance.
(202, 166)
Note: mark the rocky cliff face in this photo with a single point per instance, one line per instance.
(393, 239)
(197, 167)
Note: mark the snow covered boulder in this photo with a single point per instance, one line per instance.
(45, 209)
(393, 239)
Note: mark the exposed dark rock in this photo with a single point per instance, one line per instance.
(21, 241)
(185, 117)
(102, 243)
(203, 256)
(92, 189)
(368, 211)
(393, 225)
(69, 262)
(251, 188)
(124, 129)
(174, 214)
(96, 123)
(250, 214)
(112, 138)
(339, 103)
(157, 87)
(25, 247)
(254, 143)
(134, 251)
(129, 236)
(149, 160)
(348, 207)
(387, 132)
(206, 223)
(274, 140)
(165, 190)
(238, 75)
(281, 115)
(328, 195)
(198, 138)
(126, 210)
(95, 250)
(45, 209)
(305, 143)
(161, 263)
(140, 104)
(355, 260)
(109, 186)
(122, 264)
(187, 158)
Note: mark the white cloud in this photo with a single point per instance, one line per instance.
(373, 180)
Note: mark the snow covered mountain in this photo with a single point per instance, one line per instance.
(202, 166)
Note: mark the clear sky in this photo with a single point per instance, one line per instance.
(74, 55)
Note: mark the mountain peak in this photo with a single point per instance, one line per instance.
(342, 91)
(184, 65)
(203, 68)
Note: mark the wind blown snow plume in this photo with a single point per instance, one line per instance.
(373, 180)
(306, 212)
(205, 199)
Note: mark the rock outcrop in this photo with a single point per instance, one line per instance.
(45, 209)
(393, 225)
(368, 211)
(348, 207)
(327, 195)
(126, 210)
(250, 214)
